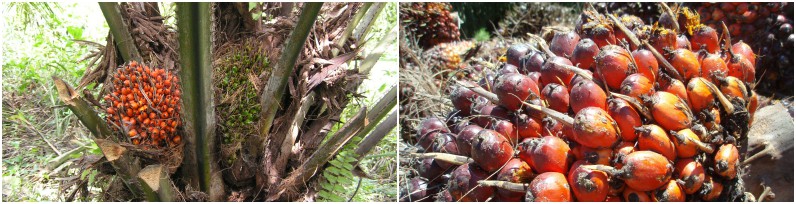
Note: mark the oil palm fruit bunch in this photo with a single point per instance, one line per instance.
(615, 110)
(144, 105)
(239, 106)
(431, 23)
(767, 26)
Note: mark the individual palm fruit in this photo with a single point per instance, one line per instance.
(546, 154)
(669, 111)
(646, 63)
(595, 128)
(626, 117)
(564, 43)
(490, 150)
(144, 105)
(512, 89)
(584, 53)
(463, 184)
(613, 64)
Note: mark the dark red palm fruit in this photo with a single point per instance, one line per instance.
(500, 113)
(430, 169)
(425, 141)
(646, 170)
(711, 189)
(463, 184)
(563, 43)
(691, 173)
(632, 195)
(726, 161)
(533, 113)
(551, 127)
(588, 185)
(490, 150)
(743, 49)
(535, 76)
(549, 187)
(462, 99)
(699, 95)
(445, 143)
(515, 52)
(654, 138)
(733, 87)
(463, 138)
(646, 62)
(416, 191)
(507, 68)
(613, 64)
(488, 81)
(455, 121)
(594, 128)
(516, 171)
(512, 89)
(546, 154)
(552, 73)
(557, 97)
(592, 155)
(637, 85)
(705, 37)
(686, 63)
(532, 63)
(672, 86)
(671, 192)
(682, 42)
(483, 114)
(507, 129)
(527, 127)
(669, 111)
(577, 78)
(663, 39)
(713, 67)
(626, 117)
(586, 94)
(584, 53)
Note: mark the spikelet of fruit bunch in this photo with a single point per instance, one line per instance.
(144, 105)
(431, 23)
(596, 117)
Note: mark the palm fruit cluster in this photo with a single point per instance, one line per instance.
(616, 110)
(447, 56)
(238, 103)
(432, 23)
(144, 104)
(767, 26)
